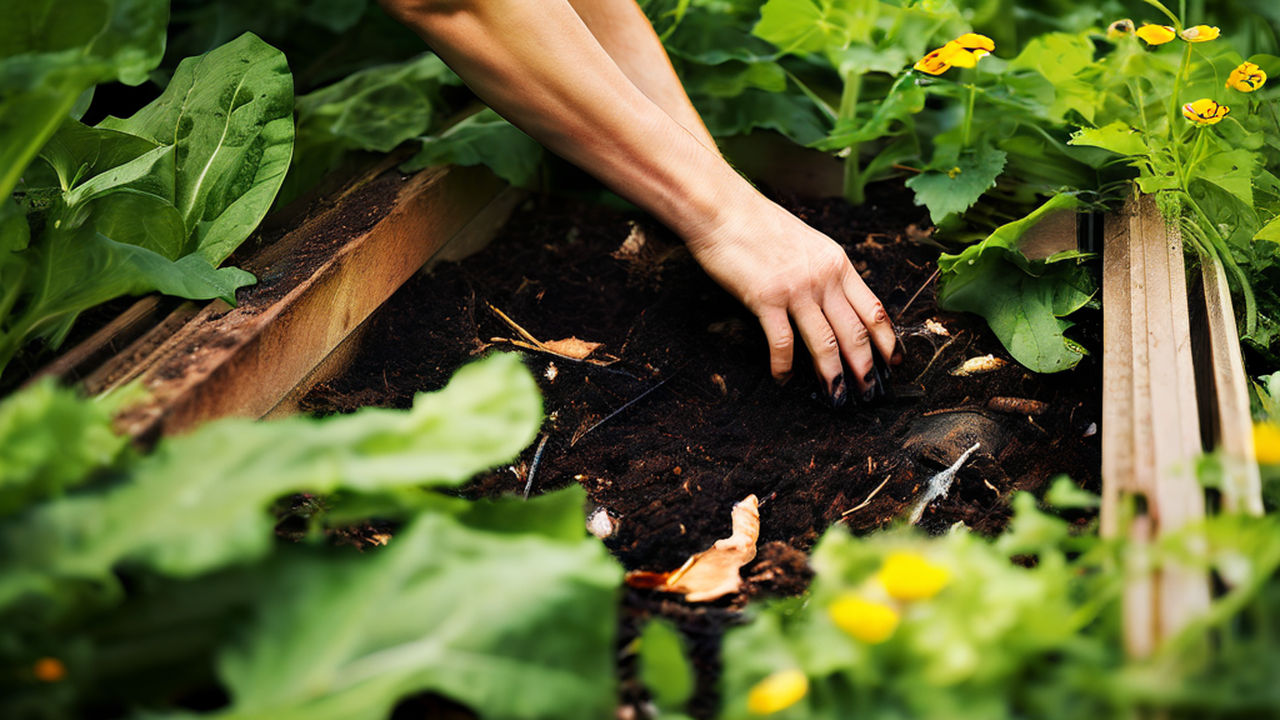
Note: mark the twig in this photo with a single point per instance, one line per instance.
(533, 467)
(867, 502)
(628, 404)
(516, 326)
(937, 354)
(903, 311)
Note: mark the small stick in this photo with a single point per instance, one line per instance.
(937, 354)
(516, 326)
(867, 502)
(628, 404)
(913, 297)
(533, 468)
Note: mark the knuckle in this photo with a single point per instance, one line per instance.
(781, 343)
(878, 314)
(860, 335)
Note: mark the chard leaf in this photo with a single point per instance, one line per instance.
(1117, 137)
(1023, 301)
(957, 189)
(482, 139)
(52, 51)
(78, 152)
(229, 115)
(377, 108)
(150, 173)
(435, 611)
(202, 501)
(117, 216)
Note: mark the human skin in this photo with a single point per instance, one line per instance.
(590, 81)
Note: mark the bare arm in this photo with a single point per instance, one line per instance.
(538, 64)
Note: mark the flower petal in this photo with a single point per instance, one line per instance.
(1156, 34)
(1201, 33)
(777, 692)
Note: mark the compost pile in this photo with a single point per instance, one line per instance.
(674, 417)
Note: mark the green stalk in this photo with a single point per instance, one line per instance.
(968, 116)
(1177, 24)
(1223, 253)
(1177, 90)
(854, 182)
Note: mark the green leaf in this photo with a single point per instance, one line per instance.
(664, 668)
(1270, 231)
(482, 139)
(201, 501)
(150, 173)
(1066, 61)
(52, 51)
(790, 114)
(116, 216)
(436, 610)
(799, 26)
(956, 190)
(78, 152)
(1023, 301)
(1232, 171)
(229, 115)
(1117, 137)
(51, 440)
(377, 108)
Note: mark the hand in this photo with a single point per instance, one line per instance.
(785, 271)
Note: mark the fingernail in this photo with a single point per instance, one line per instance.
(870, 394)
(786, 378)
(879, 365)
(896, 358)
(839, 393)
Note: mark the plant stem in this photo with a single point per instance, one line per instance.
(1223, 251)
(854, 188)
(1177, 90)
(968, 116)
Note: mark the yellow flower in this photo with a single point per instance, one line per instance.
(1247, 77)
(1266, 443)
(870, 622)
(1119, 29)
(777, 692)
(1156, 34)
(1205, 111)
(964, 51)
(908, 576)
(1201, 33)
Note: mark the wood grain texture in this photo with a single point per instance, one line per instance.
(316, 285)
(1151, 431)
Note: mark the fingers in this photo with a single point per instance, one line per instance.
(855, 342)
(824, 347)
(777, 330)
(872, 315)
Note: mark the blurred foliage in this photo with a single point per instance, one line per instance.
(153, 579)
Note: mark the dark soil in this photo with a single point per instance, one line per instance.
(714, 426)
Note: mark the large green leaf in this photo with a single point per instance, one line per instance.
(78, 152)
(229, 115)
(1023, 301)
(52, 51)
(513, 625)
(798, 26)
(202, 501)
(1115, 136)
(378, 108)
(482, 139)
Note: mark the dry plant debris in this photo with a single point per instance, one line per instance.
(714, 573)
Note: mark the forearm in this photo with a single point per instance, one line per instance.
(551, 78)
(624, 32)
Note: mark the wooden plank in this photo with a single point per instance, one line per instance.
(316, 285)
(1151, 433)
(471, 239)
(1118, 442)
(107, 341)
(1233, 422)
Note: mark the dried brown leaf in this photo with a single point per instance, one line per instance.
(572, 347)
(712, 573)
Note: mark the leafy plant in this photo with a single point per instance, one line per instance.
(152, 202)
(160, 574)
(889, 629)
